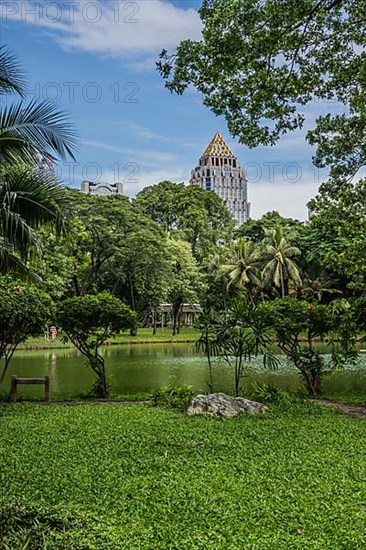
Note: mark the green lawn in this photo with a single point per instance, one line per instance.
(134, 477)
(144, 336)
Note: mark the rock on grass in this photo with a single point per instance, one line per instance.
(222, 405)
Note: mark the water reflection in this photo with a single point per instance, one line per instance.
(144, 367)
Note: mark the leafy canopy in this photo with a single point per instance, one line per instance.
(90, 320)
(24, 311)
(259, 63)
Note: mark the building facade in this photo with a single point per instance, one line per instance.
(102, 189)
(219, 171)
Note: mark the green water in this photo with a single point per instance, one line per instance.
(140, 368)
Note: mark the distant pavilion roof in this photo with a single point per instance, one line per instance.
(218, 148)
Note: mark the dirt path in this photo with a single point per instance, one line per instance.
(356, 411)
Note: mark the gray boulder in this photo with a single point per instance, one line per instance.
(220, 404)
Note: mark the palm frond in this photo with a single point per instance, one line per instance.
(11, 73)
(268, 272)
(29, 198)
(293, 271)
(291, 251)
(11, 263)
(37, 128)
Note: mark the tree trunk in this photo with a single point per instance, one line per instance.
(98, 366)
(238, 369)
(313, 384)
(7, 358)
(154, 321)
(179, 318)
(210, 384)
(176, 310)
(175, 315)
(282, 283)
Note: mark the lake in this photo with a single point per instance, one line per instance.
(144, 367)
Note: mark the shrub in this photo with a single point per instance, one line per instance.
(269, 393)
(173, 397)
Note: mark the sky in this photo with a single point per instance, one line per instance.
(96, 60)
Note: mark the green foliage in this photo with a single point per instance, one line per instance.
(29, 196)
(293, 319)
(255, 230)
(110, 246)
(336, 237)
(172, 397)
(37, 128)
(200, 217)
(89, 321)
(268, 393)
(243, 269)
(24, 310)
(259, 63)
(94, 318)
(100, 477)
(243, 332)
(280, 265)
(186, 282)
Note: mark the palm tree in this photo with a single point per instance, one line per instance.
(28, 199)
(243, 267)
(316, 288)
(29, 196)
(33, 129)
(278, 255)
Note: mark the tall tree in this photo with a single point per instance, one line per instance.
(161, 202)
(259, 63)
(88, 322)
(243, 269)
(28, 130)
(185, 279)
(28, 199)
(198, 216)
(24, 311)
(279, 264)
(28, 196)
(254, 230)
(335, 239)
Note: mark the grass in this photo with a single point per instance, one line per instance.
(144, 336)
(135, 477)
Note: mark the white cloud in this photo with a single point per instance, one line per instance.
(288, 199)
(125, 28)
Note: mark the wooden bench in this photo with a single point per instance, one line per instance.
(15, 381)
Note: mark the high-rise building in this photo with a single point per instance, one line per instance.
(100, 188)
(219, 171)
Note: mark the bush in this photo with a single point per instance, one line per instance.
(269, 393)
(173, 397)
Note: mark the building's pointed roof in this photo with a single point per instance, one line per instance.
(218, 148)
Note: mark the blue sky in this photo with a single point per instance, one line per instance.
(96, 59)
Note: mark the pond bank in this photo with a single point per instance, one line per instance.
(144, 336)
